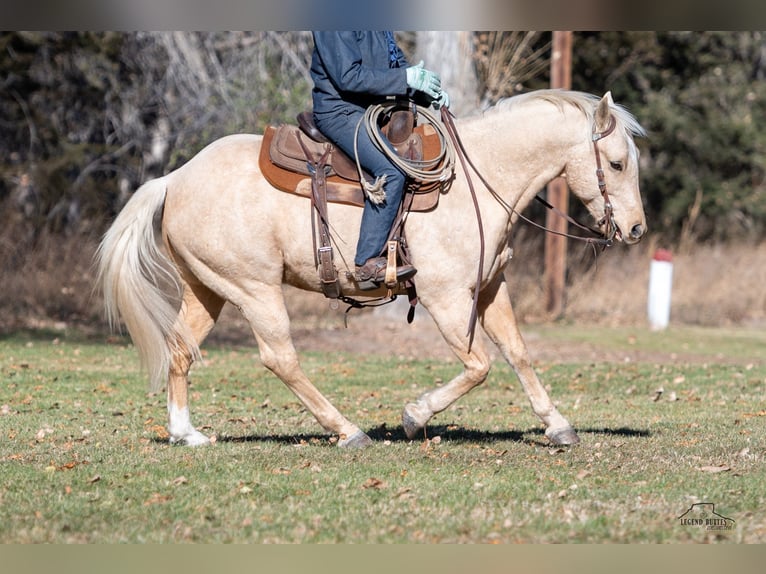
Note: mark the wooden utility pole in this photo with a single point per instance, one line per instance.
(558, 192)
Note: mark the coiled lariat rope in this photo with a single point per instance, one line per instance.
(437, 169)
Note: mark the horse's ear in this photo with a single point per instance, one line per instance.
(603, 112)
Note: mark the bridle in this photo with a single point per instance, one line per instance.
(605, 239)
(610, 227)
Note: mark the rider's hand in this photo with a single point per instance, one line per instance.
(441, 101)
(422, 80)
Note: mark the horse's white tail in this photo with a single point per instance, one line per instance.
(138, 280)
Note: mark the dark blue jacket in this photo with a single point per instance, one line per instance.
(355, 69)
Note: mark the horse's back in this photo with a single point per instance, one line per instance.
(218, 172)
(224, 219)
(227, 155)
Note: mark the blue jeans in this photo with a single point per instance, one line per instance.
(377, 220)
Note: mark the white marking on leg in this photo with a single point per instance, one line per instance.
(181, 429)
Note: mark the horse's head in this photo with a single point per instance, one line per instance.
(605, 174)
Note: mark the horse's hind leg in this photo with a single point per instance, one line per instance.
(264, 308)
(499, 322)
(199, 311)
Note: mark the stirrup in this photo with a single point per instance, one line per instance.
(382, 271)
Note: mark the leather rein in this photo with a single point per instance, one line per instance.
(604, 239)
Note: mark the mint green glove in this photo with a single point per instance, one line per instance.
(441, 101)
(422, 80)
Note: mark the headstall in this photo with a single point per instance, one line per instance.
(610, 227)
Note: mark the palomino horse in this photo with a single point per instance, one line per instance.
(218, 230)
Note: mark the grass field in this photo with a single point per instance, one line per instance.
(84, 455)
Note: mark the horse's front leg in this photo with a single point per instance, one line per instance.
(499, 322)
(451, 316)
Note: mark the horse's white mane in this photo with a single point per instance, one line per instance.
(584, 102)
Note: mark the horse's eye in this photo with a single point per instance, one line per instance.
(616, 165)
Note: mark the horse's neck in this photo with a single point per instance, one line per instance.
(520, 151)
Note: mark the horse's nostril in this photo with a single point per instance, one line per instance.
(637, 231)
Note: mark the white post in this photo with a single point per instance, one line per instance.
(660, 288)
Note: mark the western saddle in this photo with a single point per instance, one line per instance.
(299, 159)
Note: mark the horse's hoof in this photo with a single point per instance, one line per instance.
(192, 439)
(357, 440)
(412, 428)
(563, 437)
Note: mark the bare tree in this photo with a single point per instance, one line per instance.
(479, 68)
(451, 55)
(506, 62)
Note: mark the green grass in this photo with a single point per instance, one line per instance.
(83, 455)
(719, 344)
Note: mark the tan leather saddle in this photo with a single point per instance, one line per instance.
(284, 164)
(300, 160)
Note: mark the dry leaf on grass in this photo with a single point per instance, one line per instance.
(157, 498)
(373, 482)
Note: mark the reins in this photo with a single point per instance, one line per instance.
(447, 158)
(605, 239)
(598, 240)
(465, 162)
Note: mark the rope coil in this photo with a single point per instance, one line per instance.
(438, 169)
